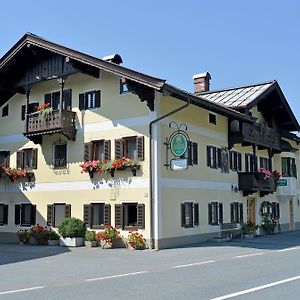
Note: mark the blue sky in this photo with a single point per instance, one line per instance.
(238, 42)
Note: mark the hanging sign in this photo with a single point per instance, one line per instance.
(178, 144)
(281, 182)
(178, 164)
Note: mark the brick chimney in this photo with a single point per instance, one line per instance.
(201, 83)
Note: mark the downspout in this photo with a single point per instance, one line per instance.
(152, 216)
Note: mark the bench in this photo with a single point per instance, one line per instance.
(230, 229)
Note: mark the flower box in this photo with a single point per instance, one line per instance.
(71, 242)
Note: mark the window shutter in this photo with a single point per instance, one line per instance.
(87, 151)
(119, 216)
(190, 155)
(67, 210)
(140, 147)
(220, 212)
(20, 159)
(5, 214)
(98, 98)
(34, 158)
(225, 160)
(118, 149)
(231, 160)
(107, 150)
(195, 153)
(196, 214)
(241, 219)
(107, 214)
(33, 215)
(23, 111)
(219, 158)
(50, 215)
(47, 99)
(231, 212)
(273, 212)
(141, 216)
(17, 214)
(67, 99)
(247, 162)
(182, 215)
(87, 215)
(208, 155)
(209, 213)
(239, 162)
(7, 159)
(82, 105)
(294, 168)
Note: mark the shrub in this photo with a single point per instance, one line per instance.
(39, 232)
(24, 235)
(249, 227)
(90, 235)
(71, 227)
(136, 240)
(53, 235)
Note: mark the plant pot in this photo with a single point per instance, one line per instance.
(53, 242)
(91, 243)
(33, 241)
(249, 236)
(71, 242)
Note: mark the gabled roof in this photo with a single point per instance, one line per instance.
(267, 96)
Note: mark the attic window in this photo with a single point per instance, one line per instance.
(212, 118)
(5, 111)
(123, 87)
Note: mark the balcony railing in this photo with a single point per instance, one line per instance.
(55, 122)
(250, 134)
(252, 182)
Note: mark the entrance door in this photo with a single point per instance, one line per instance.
(251, 209)
(291, 227)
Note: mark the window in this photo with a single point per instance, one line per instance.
(27, 158)
(212, 118)
(97, 150)
(264, 163)
(96, 215)
(288, 167)
(4, 158)
(60, 154)
(250, 162)
(275, 211)
(32, 107)
(57, 212)
(236, 212)
(123, 87)
(130, 215)
(131, 147)
(235, 161)
(265, 208)
(215, 213)
(5, 111)
(53, 99)
(223, 159)
(90, 99)
(25, 214)
(3, 214)
(189, 214)
(212, 157)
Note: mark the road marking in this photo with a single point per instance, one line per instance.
(256, 288)
(195, 264)
(22, 290)
(248, 255)
(116, 276)
(288, 249)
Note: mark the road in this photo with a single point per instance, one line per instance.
(263, 268)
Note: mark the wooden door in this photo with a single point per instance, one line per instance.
(251, 209)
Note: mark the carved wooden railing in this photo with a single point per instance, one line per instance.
(54, 122)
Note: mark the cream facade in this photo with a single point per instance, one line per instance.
(169, 207)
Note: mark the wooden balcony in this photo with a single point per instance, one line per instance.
(253, 134)
(252, 182)
(62, 122)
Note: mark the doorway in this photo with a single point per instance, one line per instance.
(251, 209)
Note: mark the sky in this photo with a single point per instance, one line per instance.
(238, 42)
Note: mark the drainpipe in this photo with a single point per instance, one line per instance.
(152, 214)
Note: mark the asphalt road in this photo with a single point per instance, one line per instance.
(267, 267)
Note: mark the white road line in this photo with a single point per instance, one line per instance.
(116, 276)
(195, 264)
(256, 288)
(248, 255)
(22, 290)
(289, 249)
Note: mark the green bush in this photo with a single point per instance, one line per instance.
(71, 227)
(53, 235)
(90, 235)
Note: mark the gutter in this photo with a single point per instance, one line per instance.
(154, 213)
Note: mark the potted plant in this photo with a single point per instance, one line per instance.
(90, 238)
(268, 225)
(249, 229)
(23, 236)
(108, 236)
(39, 235)
(53, 239)
(72, 231)
(136, 240)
